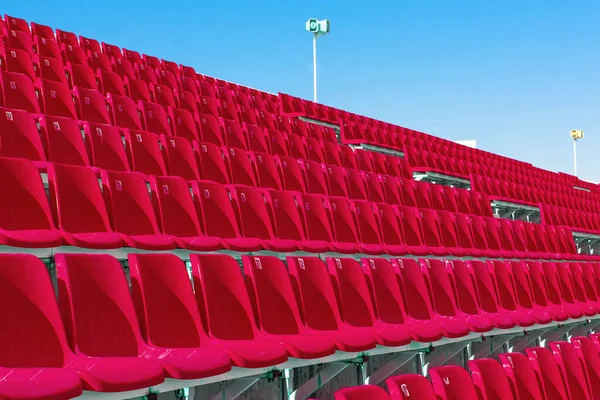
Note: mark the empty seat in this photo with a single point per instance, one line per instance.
(163, 96)
(418, 301)
(105, 147)
(19, 92)
(267, 279)
(216, 209)
(57, 99)
(267, 170)
(254, 219)
(210, 130)
(442, 283)
(238, 335)
(158, 279)
(154, 118)
(452, 383)
(356, 305)
(316, 181)
(52, 69)
(211, 162)
(241, 170)
(25, 217)
(409, 387)
(124, 112)
(523, 378)
(143, 150)
(63, 141)
(19, 135)
(490, 379)
(177, 214)
(548, 373)
(58, 372)
(573, 373)
(75, 192)
(179, 157)
(91, 106)
(138, 90)
(131, 212)
(292, 174)
(586, 350)
(96, 301)
(363, 392)
(110, 82)
(318, 305)
(19, 61)
(183, 124)
(344, 226)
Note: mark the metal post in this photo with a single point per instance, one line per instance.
(574, 141)
(315, 68)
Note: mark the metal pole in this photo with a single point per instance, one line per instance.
(574, 145)
(315, 66)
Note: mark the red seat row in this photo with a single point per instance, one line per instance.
(564, 370)
(114, 340)
(206, 216)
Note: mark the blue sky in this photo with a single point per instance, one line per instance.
(516, 75)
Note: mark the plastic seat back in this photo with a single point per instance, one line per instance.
(241, 170)
(415, 288)
(96, 306)
(211, 162)
(490, 380)
(387, 296)
(75, 192)
(91, 106)
(410, 387)
(270, 289)
(215, 208)
(63, 141)
(572, 370)
(253, 215)
(452, 383)
(442, 286)
(155, 118)
(105, 147)
(548, 373)
(486, 286)
(343, 221)
(220, 290)
(286, 211)
(19, 92)
(20, 137)
(144, 152)
(124, 112)
(355, 301)
(522, 376)
(34, 331)
(179, 157)
(27, 206)
(175, 208)
(129, 204)
(164, 301)
(316, 219)
(316, 296)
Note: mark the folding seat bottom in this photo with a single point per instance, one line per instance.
(190, 363)
(34, 383)
(94, 240)
(116, 374)
(31, 238)
(149, 242)
(255, 353)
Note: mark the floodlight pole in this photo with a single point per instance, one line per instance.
(575, 156)
(576, 135)
(315, 67)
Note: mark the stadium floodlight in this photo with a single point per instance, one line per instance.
(318, 29)
(576, 135)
